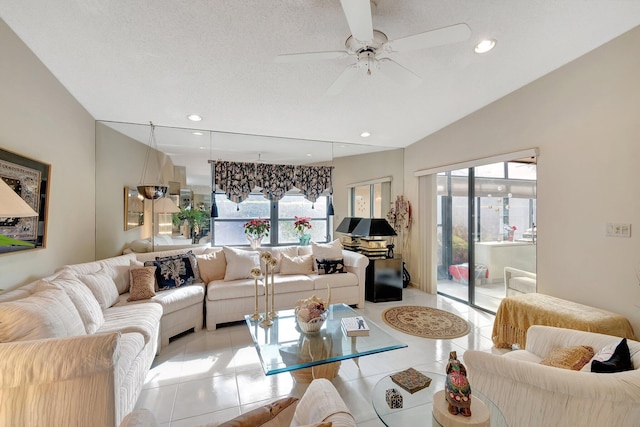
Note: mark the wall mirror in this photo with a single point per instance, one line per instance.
(133, 209)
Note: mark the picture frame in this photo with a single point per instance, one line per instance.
(30, 179)
(133, 209)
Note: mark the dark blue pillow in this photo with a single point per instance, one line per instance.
(620, 360)
(175, 271)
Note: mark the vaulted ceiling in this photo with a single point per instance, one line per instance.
(161, 60)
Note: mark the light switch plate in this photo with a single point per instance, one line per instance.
(618, 230)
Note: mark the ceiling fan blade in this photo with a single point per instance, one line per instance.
(398, 73)
(441, 36)
(358, 14)
(310, 56)
(343, 80)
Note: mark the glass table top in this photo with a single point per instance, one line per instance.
(419, 405)
(282, 347)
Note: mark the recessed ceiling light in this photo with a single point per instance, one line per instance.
(194, 117)
(365, 134)
(197, 133)
(203, 148)
(485, 46)
(308, 154)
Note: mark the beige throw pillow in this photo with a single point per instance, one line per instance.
(212, 266)
(296, 265)
(240, 263)
(569, 357)
(143, 282)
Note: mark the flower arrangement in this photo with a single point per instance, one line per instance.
(510, 228)
(257, 227)
(302, 224)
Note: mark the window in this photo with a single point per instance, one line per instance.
(228, 227)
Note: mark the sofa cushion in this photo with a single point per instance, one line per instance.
(115, 267)
(83, 300)
(574, 357)
(178, 298)
(212, 265)
(102, 286)
(278, 251)
(292, 283)
(523, 284)
(344, 280)
(47, 313)
(175, 271)
(143, 283)
(296, 265)
(141, 318)
(240, 263)
(330, 266)
(332, 250)
(221, 290)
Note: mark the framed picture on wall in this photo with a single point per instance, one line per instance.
(29, 179)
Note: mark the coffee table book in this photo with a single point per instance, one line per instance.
(411, 380)
(355, 326)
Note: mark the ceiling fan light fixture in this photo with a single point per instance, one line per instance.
(194, 117)
(485, 46)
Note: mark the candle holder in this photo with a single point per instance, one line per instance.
(256, 273)
(266, 257)
(272, 265)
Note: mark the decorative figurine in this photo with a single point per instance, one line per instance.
(456, 387)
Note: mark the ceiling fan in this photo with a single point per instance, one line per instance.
(370, 46)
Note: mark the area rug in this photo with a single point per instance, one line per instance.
(425, 322)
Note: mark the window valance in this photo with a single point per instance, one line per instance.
(237, 179)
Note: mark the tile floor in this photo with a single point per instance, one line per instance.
(208, 377)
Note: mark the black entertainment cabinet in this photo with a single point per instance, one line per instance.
(384, 280)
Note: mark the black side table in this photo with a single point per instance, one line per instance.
(383, 280)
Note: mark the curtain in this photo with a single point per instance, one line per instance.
(237, 179)
(275, 180)
(313, 180)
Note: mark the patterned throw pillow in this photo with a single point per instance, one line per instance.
(143, 282)
(330, 266)
(175, 271)
(569, 357)
(619, 361)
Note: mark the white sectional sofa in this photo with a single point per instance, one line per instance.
(75, 351)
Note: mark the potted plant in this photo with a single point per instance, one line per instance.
(302, 225)
(255, 230)
(194, 217)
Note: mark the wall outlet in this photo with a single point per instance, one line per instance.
(618, 230)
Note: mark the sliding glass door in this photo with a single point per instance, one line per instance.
(486, 222)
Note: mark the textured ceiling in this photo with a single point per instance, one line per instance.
(160, 60)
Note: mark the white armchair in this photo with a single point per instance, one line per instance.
(529, 393)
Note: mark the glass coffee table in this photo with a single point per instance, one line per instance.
(417, 407)
(282, 347)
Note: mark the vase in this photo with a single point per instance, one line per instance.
(255, 241)
(305, 239)
(510, 235)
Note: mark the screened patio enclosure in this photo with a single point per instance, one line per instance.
(486, 219)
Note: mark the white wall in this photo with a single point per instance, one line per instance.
(39, 119)
(585, 119)
(354, 169)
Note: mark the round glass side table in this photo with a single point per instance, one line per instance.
(417, 408)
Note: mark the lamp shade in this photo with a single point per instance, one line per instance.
(12, 205)
(348, 224)
(375, 227)
(165, 205)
